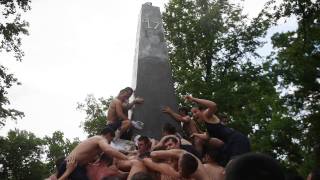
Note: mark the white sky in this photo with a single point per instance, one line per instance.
(76, 48)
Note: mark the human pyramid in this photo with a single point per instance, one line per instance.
(218, 153)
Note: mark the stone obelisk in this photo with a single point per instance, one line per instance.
(152, 75)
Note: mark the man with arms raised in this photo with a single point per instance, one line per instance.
(117, 113)
(87, 151)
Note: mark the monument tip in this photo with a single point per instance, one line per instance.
(148, 3)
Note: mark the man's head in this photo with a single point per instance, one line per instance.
(144, 144)
(196, 112)
(168, 129)
(188, 164)
(183, 111)
(252, 166)
(125, 93)
(212, 154)
(107, 133)
(172, 142)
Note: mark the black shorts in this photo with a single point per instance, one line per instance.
(79, 173)
(237, 144)
(115, 125)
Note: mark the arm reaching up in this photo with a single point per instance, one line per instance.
(212, 106)
(175, 115)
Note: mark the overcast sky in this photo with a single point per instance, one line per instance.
(76, 48)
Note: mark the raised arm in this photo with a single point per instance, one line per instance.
(166, 154)
(106, 148)
(162, 168)
(212, 106)
(175, 115)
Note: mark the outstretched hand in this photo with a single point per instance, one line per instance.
(138, 100)
(188, 98)
(166, 109)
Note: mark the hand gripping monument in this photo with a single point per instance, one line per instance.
(152, 78)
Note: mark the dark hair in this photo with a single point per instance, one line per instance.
(169, 128)
(188, 165)
(216, 154)
(127, 89)
(315, 174)
(106, 131)
(142, 176)
(252, 166)
(175, 140)
(184, 109)
(145, 139)
(106, 159)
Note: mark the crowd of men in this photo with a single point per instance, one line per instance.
(217, 153)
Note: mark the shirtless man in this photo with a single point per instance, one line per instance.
(86, 152)
(183, 164)
(211, 158)
(117, 117)
(188, 124)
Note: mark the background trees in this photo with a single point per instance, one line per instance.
(11, 28)
(21, 156)
(213, 53)
(296, 64)
(95, 110)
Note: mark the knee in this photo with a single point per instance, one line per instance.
(126, 123)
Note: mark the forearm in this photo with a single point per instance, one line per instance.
(130, 105)
(116, 154)
(176, 116)
(204, 102)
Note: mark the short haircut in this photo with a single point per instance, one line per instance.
(106, 131)
(142, 176)
(174, 139)
(127, 89)
(184, 110)
(216, 154)
(106, 159)
(169, 128)
(145, 139)
(188, 165)
(253, 166)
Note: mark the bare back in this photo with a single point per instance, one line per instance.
(200, 173)
(87, 150)
(214, 171)
(112, 111)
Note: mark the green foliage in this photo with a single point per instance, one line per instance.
(296, 63)
(20, 156)
(96, 117)
(11, 28)
(57, 147)
(213, 54)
